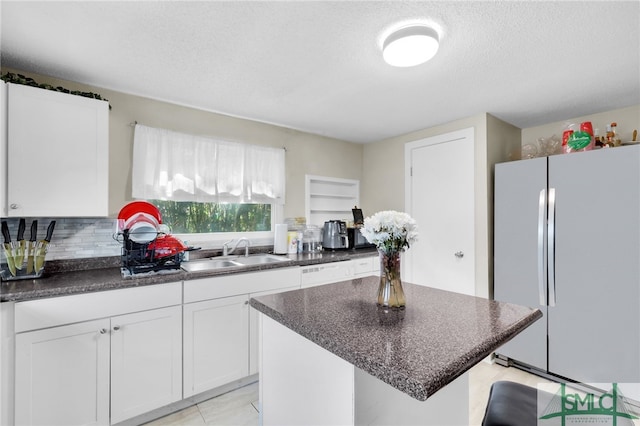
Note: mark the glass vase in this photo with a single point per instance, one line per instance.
(390, 293)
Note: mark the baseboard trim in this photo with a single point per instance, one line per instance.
(187, 402)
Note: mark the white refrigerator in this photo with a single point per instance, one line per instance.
(567, 241)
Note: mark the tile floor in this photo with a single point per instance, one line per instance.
(240, 407)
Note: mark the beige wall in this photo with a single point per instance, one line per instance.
(382, 185)
(306, 153)
(379, 166)
(495, 141)
(627, 119)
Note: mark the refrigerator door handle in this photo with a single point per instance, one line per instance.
(542, 216)
(551, 250)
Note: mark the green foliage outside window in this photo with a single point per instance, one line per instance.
(198, 218)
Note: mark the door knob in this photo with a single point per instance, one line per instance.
(103, 331)
(116, 328)
(459, 254)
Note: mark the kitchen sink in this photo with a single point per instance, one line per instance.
(209, 265)
(235, 262)
(261, 259)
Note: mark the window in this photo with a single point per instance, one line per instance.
(209, 187)
(203, 218)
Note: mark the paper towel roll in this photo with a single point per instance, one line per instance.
(280, 239)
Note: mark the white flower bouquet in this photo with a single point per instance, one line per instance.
(390, 231)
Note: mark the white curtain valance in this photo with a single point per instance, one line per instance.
(169, 165)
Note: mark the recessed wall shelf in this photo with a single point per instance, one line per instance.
(329, 198)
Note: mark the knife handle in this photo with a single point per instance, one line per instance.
(5, 232)
(21, 227)
(34, 230)
(50, 231)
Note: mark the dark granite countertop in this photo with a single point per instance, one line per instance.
(73, 277)
(418, 350)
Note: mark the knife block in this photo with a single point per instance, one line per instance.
(21, 270)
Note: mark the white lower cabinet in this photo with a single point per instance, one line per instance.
(106, 357)
(216, 343)
(220, 335)
(73, 370)
(327, 273)
(366, 266)
(146, 361)
(62, 375)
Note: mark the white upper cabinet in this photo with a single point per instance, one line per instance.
(57, 154)
(3, 148)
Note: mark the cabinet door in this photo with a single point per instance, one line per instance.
(58, 153)
(62, 375)
(216, 343)
(3, 148)
(146, 361)
(594, 327)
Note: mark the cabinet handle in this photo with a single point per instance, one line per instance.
(116, 327)
(103, 331)
(246, 302)
(459, 254)
(14, 206)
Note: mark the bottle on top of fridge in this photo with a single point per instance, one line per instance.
(615, 137)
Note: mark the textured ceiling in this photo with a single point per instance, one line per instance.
(317, 66)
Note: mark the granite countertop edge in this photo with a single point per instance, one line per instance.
(420, 390)
(481, 352)
(108, 276)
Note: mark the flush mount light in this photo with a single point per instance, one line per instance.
(410, 46)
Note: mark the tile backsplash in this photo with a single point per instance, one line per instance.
(74, 238)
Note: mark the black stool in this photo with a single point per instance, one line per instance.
(511, 404)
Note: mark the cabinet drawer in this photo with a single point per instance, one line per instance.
(236, 284)
(326, 273)
(364, 265)
(43, 313)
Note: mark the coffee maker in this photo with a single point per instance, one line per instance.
(356, 239)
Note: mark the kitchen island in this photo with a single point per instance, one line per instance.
(330, 356)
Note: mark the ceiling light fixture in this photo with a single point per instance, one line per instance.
(410, 46)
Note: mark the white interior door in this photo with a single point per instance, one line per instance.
(440, 197)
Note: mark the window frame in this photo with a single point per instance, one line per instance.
(215, 240)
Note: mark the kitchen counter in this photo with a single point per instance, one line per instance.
(63, 283)
(417, 351)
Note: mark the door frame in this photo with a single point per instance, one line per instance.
(409, 147)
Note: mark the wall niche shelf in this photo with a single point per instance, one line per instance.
(329, 198)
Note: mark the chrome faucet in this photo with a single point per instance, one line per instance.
(226, 251)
